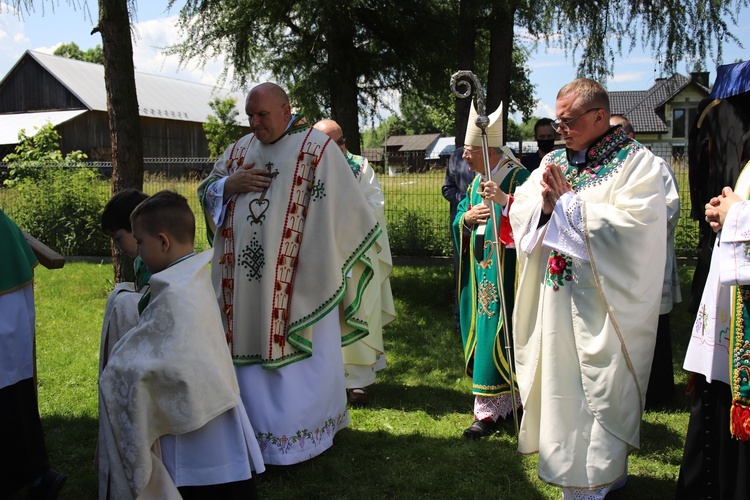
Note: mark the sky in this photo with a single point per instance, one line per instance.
(54, 22)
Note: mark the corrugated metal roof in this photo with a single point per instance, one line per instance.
(10, 124)
(443, 147)
(420, 142)
(373, 154)
(158, 96)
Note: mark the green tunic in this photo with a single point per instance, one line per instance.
(479, 299)
(17, 257)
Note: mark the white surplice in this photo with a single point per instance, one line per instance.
(172, 375)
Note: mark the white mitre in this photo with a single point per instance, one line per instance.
(494, 129)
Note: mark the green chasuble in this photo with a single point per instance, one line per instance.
(479, 298)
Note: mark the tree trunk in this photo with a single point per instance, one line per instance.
(122, 108)
(501, 59)
(467, 37)
(342, 79)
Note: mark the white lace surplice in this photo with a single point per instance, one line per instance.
(172, 374)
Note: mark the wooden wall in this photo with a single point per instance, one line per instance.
(32, 88)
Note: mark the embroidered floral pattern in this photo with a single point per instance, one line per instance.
(603, 160)
(558, 270)
(318, 191)
(253, 259)
(303, 437)
(355, 163)
(487, 298)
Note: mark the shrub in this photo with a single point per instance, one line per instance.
(41, 147)
(62, 208)
(412, 232)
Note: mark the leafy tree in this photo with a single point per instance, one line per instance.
(72, 51)
(36, 152)
(594, 32)
(420, 117)
(526, 129)
(513, 132)
(122, 100)
(335, 58)
(223, 128)
(375, 137)
(339, 56)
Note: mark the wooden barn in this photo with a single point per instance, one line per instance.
(71, 95)
(408, 153)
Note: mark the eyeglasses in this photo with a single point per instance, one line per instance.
(469, 152)
(341, 141)
(565, 125)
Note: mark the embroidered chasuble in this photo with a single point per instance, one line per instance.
(171, 374)
(719, 346)
(589, 288)
(361, 357)
(485, 355)
(282, 255)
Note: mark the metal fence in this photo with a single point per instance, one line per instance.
(417, 216)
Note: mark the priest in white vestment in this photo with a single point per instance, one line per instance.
(590, 226)
(366, 357)
(289, 223)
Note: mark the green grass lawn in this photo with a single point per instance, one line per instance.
(406, 444)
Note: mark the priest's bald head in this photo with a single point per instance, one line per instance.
(267, 107)
(332, 130)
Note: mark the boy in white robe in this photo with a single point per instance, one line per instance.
(173, 425)
(121, 311)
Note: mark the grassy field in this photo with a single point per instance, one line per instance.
(406, 444)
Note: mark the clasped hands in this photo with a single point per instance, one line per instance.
(246, 179)
(554, 185)
(480, 213)
(718, 207)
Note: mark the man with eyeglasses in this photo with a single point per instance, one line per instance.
(366, 357)
(590, 225)
(288, 223)
(481, 314)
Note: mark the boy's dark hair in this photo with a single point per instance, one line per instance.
(166, 212)
(116, 213)
(542, 122)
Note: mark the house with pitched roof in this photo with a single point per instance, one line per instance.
(409, 152)
(42, 88)
(662, 115)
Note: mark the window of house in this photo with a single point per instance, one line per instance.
(678, 123)
(682, 120)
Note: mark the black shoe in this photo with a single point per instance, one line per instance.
(480, 429)
(49, 486)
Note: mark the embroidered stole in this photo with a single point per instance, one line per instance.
(739, 362)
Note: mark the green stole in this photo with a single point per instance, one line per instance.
(16, 255)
